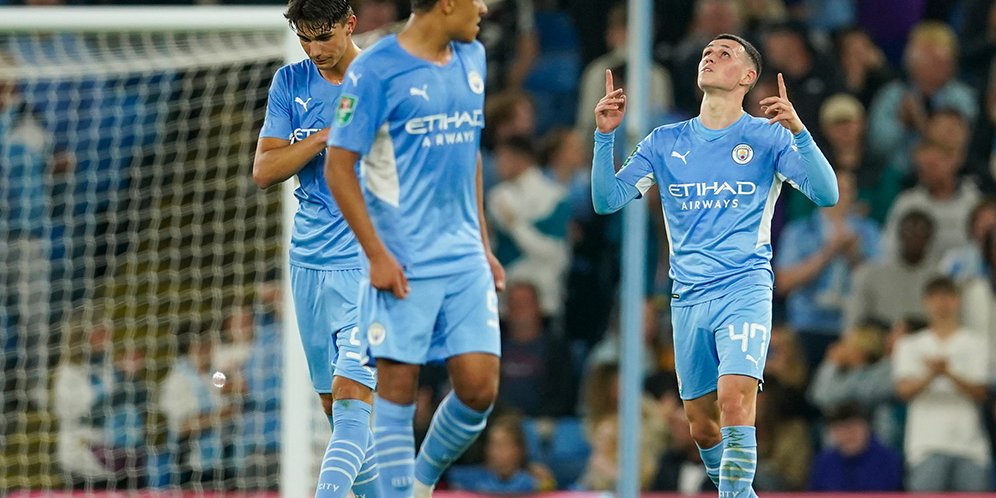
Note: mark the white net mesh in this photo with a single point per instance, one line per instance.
(137, 259)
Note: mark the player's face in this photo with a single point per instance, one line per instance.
(465, 19)
(724, 66)
(325, 47)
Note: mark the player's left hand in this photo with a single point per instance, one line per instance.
(497, 271)
(780, 110)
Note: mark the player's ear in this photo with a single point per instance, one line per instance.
(350, 24)
(447, 5)
(749, 79)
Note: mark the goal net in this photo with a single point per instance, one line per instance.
(138, 257)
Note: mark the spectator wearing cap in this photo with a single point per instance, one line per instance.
(855, 459)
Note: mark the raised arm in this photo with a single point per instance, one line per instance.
(608, 192)
(801, 163)
(277, 159)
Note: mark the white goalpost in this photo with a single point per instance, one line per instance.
(142, 123)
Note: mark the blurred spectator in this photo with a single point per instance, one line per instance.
(530, 216)
(80, 383)
(890, 289)
(660, 94)
(827, 15)
(863, 66)
(508, 114)
(679, 468)
(900, 111)
(810, 79)
(551, 69)
(374, 15)
(658, 354)
(600, 392)
(968, 261)
(26, 152)
(814, 267)
(784, 361)
(759, 13)
(784, 445)
(602, 471)
(195, 413)
(889, 22)
(506, 469)
(537, 377)
(842, 120)
(567, 161)
(855, 460)
(857, 369)
(979, 309)
(711, 18)
(230, 356)
(942, 373)
(978, 35)
(947, 198)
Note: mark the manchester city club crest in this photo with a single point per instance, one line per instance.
(476, 82)
(742, 154)
(376, 334)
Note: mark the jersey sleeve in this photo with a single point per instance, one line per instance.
(277, 123)
(638, 169)
(361, 110)
(610, 191)
(802, 164)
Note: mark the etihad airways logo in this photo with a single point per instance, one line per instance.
(706, 195)
(446, 129)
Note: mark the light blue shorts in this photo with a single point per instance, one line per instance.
(442, 317)
(325, 303)
(724, 336)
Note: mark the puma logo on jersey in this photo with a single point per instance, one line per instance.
(674, 153)
(420, 92)
(353, 76)
(752, 360)
(304, 103)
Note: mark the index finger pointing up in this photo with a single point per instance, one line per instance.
(781, 87)
(608, 82)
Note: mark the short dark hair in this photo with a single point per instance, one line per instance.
(423, 5)
(318, 15)
(848, 410)
(755, 56)
(940, 285)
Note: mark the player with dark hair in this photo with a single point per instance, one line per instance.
(413, 108)
(719, 174)
(326, 264)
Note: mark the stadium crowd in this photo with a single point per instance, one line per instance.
(881, 369)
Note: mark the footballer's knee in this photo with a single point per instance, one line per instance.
(475, 379)
(737, 400)
(704, 430)
(343, 388)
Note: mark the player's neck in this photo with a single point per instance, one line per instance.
(338, 72)
(422, 38)
(719, 110)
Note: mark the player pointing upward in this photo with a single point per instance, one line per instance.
(325, 258)
(719, 176)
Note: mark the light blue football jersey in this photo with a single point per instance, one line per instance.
(417, 126)
(718, 190)
(302, 102)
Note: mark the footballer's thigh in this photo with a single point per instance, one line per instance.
(400, 330)
(353, 376)
(742, 327)
(695, 360)
(315, 323)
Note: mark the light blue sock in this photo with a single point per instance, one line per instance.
(346, 449)
(365, 485)
(736, 471)
(394, 437)
(454, 427)
(711, 458)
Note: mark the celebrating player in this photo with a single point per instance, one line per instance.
(719, 175)
(412, 108)
(326, 264)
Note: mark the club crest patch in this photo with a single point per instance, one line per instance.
(742, 154)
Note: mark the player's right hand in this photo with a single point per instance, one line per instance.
(611, 108)
(387, 275)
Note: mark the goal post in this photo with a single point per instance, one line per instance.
(141, 123)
